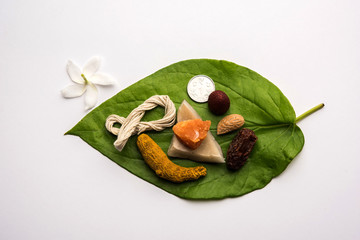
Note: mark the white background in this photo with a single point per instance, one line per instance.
(58, 187)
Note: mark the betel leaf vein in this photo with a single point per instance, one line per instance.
(265, 108)
(250, 101)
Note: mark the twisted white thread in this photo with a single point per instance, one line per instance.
(132, 125)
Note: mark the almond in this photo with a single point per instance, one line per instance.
(230, 123)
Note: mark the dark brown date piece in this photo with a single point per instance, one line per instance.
(240, 149)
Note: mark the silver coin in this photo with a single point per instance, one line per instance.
(200, 87)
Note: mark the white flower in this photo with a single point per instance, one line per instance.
(85, 81)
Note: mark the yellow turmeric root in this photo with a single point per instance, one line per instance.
(161, 164)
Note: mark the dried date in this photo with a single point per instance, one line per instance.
(240, 149)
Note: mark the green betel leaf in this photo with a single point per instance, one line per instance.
(265, 108)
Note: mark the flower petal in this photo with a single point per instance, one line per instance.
(74, 72)
(72, 91)
(102, 79)
(91, 66)
(91, 96)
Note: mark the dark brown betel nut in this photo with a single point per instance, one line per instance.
(240, 149)
(218, 102)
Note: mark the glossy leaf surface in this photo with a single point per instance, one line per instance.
(265, 109)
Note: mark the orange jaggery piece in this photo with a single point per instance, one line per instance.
(192, 132)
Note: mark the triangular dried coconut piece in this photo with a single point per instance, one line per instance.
(209, 150)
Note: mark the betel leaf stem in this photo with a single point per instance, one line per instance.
(307, 113)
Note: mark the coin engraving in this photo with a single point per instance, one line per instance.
(200, 87)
